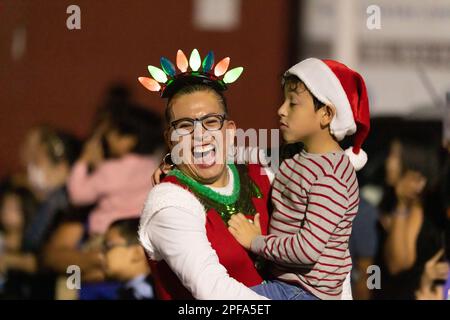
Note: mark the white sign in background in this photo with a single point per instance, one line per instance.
(406, 63)
(217, 15)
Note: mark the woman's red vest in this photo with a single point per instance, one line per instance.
(238, 262)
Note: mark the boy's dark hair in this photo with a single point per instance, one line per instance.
(143, 124)
(292, 82)
(28, 201)
(128, 228)
(60, 146)
(188, 89)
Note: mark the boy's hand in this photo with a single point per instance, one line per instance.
(243, 230)
(159, 173)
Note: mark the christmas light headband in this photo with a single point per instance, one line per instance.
(167, 81)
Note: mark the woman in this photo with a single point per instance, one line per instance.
(409, 236)
(111, 180)
(48, 166)
(183, 231)
(17, 206)
(117, 186)
(184, 222)
(48, 172)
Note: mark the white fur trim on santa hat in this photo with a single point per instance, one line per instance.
(357, 160)
(325, 86)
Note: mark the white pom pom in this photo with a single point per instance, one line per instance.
(357, 160)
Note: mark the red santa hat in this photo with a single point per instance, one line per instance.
(335, 84)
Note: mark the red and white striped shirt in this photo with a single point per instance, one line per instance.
(315, 199)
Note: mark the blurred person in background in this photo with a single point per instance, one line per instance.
(65, 247)
(431, 281)
(47, 174)
(118, 185)
(125, 260)
(363, 248)
(28, 151)
(446, 191)
(409, 235)
(17, 206)
(27, 156)
(69, 244)
(48, 155)
(111, 180)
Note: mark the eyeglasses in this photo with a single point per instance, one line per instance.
(210, 122)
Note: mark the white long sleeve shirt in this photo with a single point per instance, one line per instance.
(173, 229)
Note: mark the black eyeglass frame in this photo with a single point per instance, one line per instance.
(221, 117)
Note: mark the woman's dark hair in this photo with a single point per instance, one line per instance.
(145, 125)
(26, 198)
(292, 82)
(116, 96)
(420, 158)
(424, 158)
(188, 89)
(60, 146)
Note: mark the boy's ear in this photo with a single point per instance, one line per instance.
(327, 114)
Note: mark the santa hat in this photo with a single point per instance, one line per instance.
(333, 83)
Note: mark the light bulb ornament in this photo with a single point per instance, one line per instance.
(166, 80)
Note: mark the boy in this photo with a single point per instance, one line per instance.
(315, 194)
(126, 260)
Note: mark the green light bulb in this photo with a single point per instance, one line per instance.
(232, 75)
(194, 60)
(157, 74)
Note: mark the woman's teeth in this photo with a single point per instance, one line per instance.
(201, 151)
(204, 154)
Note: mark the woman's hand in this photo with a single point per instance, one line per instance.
(93, 152)
(243, 230)
(435, 269)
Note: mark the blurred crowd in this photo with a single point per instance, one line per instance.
(78, 204)
(401, 231)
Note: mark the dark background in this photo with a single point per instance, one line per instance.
(63, 75)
